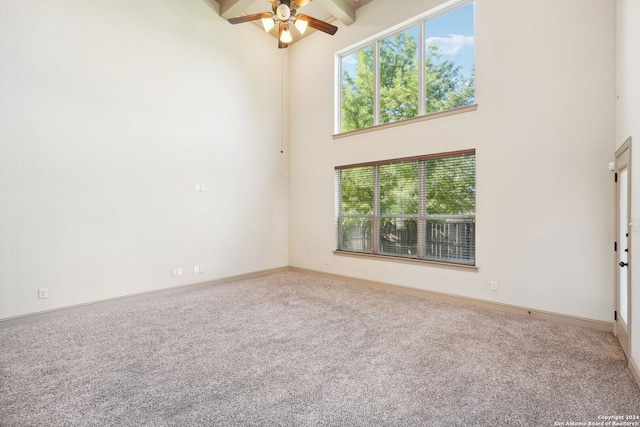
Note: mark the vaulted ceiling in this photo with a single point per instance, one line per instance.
(325, 10)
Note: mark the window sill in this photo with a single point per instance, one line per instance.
(432, 116)
(407, 260)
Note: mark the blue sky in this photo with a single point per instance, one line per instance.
(452, 32)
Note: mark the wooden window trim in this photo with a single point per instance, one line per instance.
(432, 116)
(410, 159)
(406, 260)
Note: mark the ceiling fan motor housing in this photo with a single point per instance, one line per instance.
(286, 12)
(283, 12)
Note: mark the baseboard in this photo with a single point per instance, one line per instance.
(634, 371)
(559, 318)
(455, 299)
(49, 314)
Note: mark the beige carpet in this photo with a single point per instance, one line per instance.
(292, 349)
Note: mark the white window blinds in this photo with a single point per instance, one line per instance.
(422, 208)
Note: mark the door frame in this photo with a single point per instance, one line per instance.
(623, 330)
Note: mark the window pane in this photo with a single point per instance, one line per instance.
(399, 76)
(399, 236)
(451, 240)
(357, 89)
(357, 190)
(451, 185)
(399, 186)
(450, 60)
(422, 208)
(355, 234)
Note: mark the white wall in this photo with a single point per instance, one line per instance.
(111, 112)
(543, 132)
(628, 125)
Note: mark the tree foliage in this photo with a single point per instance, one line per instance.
(398, 78)
(449, 182)
(451, 186)
(445, 85)
(357, 190)
(448, 187)
(357, 93)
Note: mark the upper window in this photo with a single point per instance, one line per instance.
(425, 68)
(422, 208)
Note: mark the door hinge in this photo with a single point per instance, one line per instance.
(615, 316)
(615, 246)
(615, 177)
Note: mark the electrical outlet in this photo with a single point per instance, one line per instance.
(43, 293)
(179, 271)
(202, 269)
(494, 285)
(196, 269)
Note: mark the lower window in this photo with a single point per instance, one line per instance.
(421, 208)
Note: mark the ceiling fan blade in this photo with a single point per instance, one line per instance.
(281, 44)
(301, 3)
(325, 27)
(248, 18)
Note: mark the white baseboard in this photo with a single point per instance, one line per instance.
(554, 317)
(559, 318)
(49, 314)
(634, 371)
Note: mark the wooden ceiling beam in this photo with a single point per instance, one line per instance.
(342, 10)
(233, 8)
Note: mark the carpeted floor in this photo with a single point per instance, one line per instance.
(291, 349)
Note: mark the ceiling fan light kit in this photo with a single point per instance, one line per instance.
(301, 25)
(284, 12)
(285, 37)
(268, 23)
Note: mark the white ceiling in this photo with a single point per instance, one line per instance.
(324, 10)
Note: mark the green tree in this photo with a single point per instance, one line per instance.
(399, 196)
(398, 78)
(357, 190)
(357, 194)
(450, 182)
(357, 92)
(451, 186)
(445, 85)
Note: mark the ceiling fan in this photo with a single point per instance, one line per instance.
(284, 13)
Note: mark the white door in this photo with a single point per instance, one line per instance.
(622, 314)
